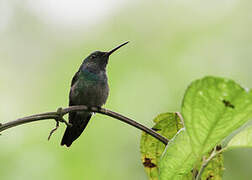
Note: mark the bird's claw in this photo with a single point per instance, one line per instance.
(61, 118)
(60, 113)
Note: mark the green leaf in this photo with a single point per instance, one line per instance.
(214, 169)
(212, 108)
(242, 139)
(167, 124)
(178, 159)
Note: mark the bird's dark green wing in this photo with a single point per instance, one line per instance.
(79, 121)
(74, 79)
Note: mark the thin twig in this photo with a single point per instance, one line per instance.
(58, 116)
(53, 130)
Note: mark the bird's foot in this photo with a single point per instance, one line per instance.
(61, 118)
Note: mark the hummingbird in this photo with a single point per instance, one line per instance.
(89, 87)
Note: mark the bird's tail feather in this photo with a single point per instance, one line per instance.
(79, 122)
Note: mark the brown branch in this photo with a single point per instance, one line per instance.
(58, 116)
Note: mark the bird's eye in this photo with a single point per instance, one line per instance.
(93, 56)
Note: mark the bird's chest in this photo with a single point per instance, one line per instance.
(91, 91)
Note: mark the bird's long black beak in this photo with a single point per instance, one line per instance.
(113, 50)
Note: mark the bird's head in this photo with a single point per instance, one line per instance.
(98, 60)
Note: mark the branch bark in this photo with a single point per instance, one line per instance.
(58, 116)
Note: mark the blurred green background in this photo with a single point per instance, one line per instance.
(42, 44)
